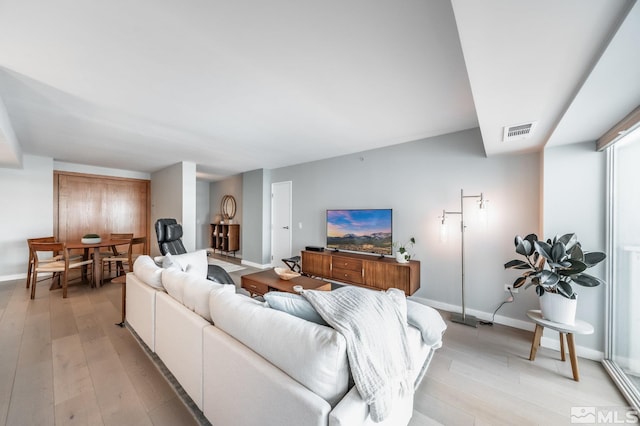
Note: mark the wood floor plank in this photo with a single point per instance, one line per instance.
(9, 356)
(79, 410)
(116, 396)
(171, 413)
(32, 396)
(70, 369)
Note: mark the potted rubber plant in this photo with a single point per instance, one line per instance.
(552, 267)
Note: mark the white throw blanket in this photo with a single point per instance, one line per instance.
(374, 324)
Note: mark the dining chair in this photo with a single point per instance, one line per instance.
(45, 261)
(51, 239)
(120, 249)
(32, 255)
(126, 257)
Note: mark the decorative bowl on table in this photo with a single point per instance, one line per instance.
(91, 239)
(285, 274)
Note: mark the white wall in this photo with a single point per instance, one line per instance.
(27, 194)
(10, 150)
(418, 180)
(30, 213)
(575, 201)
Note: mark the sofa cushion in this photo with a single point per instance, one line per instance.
(293, 304)
(191, 290)
(145, 268)
(196, 295)
(312, 354)
(194, 262)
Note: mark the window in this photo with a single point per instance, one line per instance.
(623, 325)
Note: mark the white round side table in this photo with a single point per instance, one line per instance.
(580, 327)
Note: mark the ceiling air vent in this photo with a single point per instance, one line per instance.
(518, 131)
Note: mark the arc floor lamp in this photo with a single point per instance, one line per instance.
(462, 317)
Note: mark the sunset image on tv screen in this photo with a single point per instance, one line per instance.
(360, 230)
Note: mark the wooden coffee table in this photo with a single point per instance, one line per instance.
(263, 282)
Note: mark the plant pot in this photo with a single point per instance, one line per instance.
(402, 257)
(558, 308)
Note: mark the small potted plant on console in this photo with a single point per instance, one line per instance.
(402, 254)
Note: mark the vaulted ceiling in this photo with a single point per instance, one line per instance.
(241, 85)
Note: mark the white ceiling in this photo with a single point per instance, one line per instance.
(248, 84)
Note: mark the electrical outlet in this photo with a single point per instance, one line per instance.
(508, 286)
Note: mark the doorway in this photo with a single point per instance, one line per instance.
(280, 222)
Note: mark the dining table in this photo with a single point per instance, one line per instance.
(95, 249)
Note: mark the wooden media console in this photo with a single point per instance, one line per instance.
(363, 270)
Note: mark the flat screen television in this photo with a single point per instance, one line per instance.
(360, 230)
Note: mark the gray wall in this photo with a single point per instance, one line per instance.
(256, 217)
(202, 214)
(173, 195)
(166, 198)
(418, 180)
(575, 201)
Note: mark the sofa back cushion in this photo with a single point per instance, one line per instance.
(191, 290)
(147, 271)
(312, 354)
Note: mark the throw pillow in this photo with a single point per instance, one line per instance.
(194, 262)
(427, 320)
(293, 304)
(175, 280)
(168, 262)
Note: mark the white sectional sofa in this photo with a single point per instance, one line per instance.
(243, 363)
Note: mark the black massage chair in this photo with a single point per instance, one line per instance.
(169, 234)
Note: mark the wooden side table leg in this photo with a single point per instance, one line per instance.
(536, 342)
(573, 357)
(562, 354)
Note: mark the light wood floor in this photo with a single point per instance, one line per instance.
(483, 376)
(63, 361)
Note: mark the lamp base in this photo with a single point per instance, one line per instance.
(469, 320)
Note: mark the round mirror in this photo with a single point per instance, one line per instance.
(228, 207)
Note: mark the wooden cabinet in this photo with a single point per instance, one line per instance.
(363, 270)
(225, 237)
(315, 264)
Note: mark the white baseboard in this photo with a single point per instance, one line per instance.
(13, 277)
(546, 342)
(256, 265)
(553, 342)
